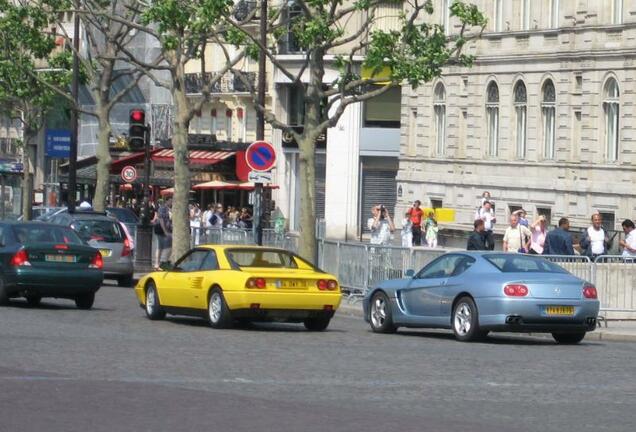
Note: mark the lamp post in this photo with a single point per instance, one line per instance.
(260, 122)
(143, 254)
(72, 162)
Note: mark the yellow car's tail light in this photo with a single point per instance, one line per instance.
(326, 285)
(258, 283)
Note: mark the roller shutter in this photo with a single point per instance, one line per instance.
(378, 187)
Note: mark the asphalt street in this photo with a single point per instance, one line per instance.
(111, 369)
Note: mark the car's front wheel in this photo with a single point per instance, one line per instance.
(219, 314)
(317, 323)
(568, 338)
(153, 307)
(466, 321)
(85, 301)
(125, 281)
(381, 317)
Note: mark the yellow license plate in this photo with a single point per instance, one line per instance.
(105, 252)
(291, 284)
(560, 310)
(60, 258)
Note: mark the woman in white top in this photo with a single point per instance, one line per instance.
(381, 225)
(539, 232)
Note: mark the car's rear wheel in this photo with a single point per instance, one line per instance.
(33, 300)
(568, 338)
(219, 314)
(125, 281)
(153, 308)
(466, 321)
(317, 323)
(85, 301)
(381, 317)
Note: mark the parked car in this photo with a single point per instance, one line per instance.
(44, 260)
(226, 283)
(123, 215)
(106, 234)
(474, 293)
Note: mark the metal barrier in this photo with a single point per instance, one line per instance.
(579, 265)
(615, 281)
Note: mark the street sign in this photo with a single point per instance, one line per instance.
(129, 174)
(260, 177)
(260, 156)
(8, 166)
(57, 143)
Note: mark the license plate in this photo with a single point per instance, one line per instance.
(60, 258)
(105, 252)
(560, 310)
(290, 284)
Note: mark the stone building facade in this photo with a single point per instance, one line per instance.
(544, 120)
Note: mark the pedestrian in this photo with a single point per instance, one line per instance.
(629, 244)
(477, 239)
(195, 222)
(487, 214)
(539, 231)
(517, 237)
(415, 214)
(381, 225)
(431, 230)
(163, 230)
(407, 233)
(595, 241)
(559, 241)
(245, 220)
(216, 220)
(207, 214)
(523, 220)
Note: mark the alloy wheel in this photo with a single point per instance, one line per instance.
(463, 321)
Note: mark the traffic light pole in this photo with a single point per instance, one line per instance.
(143, 252)
(260, 123)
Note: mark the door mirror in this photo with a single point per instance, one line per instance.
(410, 273)
(166, 266)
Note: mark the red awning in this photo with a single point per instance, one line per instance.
(197, 157)
(229, 185)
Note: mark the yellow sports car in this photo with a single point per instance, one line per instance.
(227, 283)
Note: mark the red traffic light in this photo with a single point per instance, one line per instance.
(137, 116)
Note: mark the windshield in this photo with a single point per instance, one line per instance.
(45, 234)
(261, 258)
(99, 230)
(123, 215)
(510, 263)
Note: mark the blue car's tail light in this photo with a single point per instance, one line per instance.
(516, 290)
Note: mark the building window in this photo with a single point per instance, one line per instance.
(548, 109)
(384, 111)
(498, 13)
(228, 124)
(294, 14)
(554, 13)
(525, 14)
(609, 220)
(542, 211)
(436, 203)
(521, 109)
(492, 114)
(295, 105)
(439, 106)
(617, 11)
(611, 106)
(213, 123)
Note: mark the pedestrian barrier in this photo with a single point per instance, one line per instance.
(615, 281)
(579, 265)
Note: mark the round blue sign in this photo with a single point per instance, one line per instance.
(260, 156)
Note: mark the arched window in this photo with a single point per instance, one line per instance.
(611, 106)
(492, 114)
(521, 109)
(548, 108)
(439, 106)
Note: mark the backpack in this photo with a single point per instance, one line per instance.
(213, 220)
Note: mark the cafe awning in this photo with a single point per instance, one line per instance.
(229, 185)
(196, 157)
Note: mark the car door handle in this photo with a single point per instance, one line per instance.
(443, 282)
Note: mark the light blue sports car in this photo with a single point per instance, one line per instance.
(474, 293)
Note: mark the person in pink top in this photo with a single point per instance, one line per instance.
(539, 232)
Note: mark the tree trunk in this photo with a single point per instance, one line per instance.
(29, 172)
(180, 216)
(103, 160)
(307, 173)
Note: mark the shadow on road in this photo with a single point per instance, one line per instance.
(44, 305)
(270, 327)
(497, 340)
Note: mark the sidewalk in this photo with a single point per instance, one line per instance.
(616, 331)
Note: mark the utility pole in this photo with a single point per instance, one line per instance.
(260, 122)
(72, 163)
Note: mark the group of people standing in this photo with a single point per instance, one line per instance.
(415, 226)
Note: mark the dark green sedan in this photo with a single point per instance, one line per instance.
(45, 260)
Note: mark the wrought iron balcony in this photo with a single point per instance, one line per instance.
(229, 83)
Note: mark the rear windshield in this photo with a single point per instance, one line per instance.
(123, 215)
(522, 264)
(25, 234)
(100, 230)
(261, 258)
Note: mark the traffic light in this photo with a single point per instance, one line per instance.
(137, 129)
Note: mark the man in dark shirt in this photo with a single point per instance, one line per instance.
(559, 241)
(477, 239)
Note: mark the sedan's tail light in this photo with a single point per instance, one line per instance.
(258, 283)
(589, 291)
(516, 290)
(326, 284)
(97, 262)
(126, 250)
(20, 258)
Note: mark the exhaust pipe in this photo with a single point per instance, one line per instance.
(513, 319)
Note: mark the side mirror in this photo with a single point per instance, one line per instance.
(410, 273)
(166, 266)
